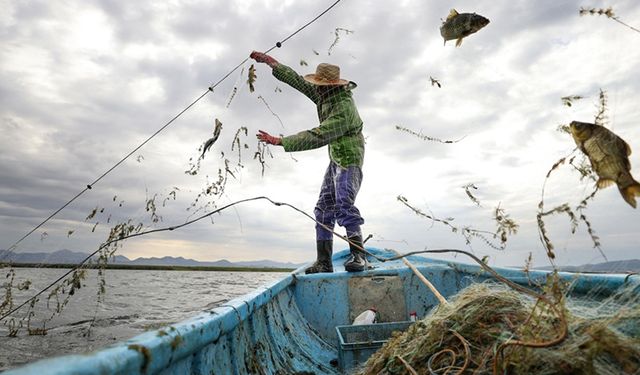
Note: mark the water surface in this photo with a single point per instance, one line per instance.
(136, 301)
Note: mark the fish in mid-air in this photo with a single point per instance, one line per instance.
(609, 157)
(212, 140)
(460, 25)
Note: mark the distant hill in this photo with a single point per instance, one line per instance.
(72, 257)
(618, 266)
(60, 256)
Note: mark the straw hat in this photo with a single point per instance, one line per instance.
(326, 75)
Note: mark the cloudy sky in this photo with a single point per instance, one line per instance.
(82, 83)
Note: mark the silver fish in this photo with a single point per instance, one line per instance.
(460, 25)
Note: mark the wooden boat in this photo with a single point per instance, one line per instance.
(289, 327)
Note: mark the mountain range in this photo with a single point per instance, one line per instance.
(618, 266)
(73, 257)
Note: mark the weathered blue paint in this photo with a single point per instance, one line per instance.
(290, 325)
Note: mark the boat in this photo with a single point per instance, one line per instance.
(293, 326)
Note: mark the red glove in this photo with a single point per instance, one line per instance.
(268, 138)
(264, 58)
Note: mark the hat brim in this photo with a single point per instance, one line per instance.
(312, 78)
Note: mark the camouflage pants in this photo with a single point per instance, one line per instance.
(336, 202)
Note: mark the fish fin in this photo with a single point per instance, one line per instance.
(459, 42)
(452, 13)
(630, 192)
(627, 147)
(604, 182)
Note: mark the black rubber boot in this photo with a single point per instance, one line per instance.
(356, 261)
(323, 261)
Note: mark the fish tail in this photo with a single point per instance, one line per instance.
(630, 192)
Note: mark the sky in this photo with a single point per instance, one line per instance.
(82, 83)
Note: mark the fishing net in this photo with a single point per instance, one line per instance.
(489, 328)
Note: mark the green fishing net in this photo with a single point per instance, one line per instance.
(488, 328)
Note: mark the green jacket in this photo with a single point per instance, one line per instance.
(340, 125)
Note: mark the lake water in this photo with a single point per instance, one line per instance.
(136, 301)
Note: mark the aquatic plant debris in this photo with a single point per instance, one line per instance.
(473, 198)
(468, 335)
(565, 208)
(505, 226)
(216, 133)
(252, 78)
(336, 32)
(426, 137)
(606, 12)
(568, 100)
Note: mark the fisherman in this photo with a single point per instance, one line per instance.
(341, 129)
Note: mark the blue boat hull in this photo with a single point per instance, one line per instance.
(289, 326)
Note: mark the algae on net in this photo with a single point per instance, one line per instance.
(465, 337)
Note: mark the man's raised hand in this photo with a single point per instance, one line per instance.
(268, 138)
(264, 58)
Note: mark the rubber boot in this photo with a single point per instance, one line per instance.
(356, 261)
(323, 261)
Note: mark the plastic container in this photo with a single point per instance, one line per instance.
(357, 343)
(366, 317)
(413, 316)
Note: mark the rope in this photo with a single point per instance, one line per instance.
(106, 244)
(90, 186)
(210, 89)
(425, 281)
(171, 228)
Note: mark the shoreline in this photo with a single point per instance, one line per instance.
(149, 267)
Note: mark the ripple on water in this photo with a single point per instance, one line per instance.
(135, 302)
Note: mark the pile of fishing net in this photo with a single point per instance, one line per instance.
(488, 328)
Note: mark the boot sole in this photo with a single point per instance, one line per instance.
(307, 272)
(354, 268)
